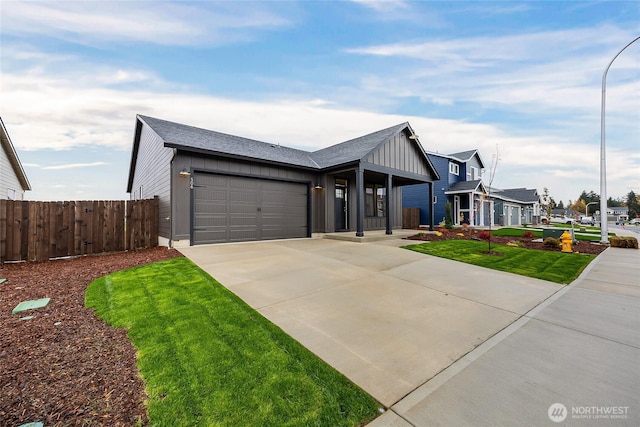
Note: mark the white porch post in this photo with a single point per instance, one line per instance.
(482, 203)
(472, 210)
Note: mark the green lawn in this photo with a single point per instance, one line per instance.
(547, 265)
(208, 359)
(587, 235)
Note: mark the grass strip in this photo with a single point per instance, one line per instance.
(556, 267)
(207, 358)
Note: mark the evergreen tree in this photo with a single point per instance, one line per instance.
(633, 205)
(448, 220)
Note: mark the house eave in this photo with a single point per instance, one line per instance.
(196, 150)
(14, 159)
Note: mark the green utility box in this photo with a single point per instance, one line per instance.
(554, 232)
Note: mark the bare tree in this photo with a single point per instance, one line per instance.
(492, 173)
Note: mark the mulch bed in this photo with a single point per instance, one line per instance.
(472, 234)
(66, 367)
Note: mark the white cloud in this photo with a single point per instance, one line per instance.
(75, 165)
(165, 23)
(49, 108)
(517, 71)
(382, 5)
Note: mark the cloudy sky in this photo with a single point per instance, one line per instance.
(521, 79)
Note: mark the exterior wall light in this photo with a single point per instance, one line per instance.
(184, 173)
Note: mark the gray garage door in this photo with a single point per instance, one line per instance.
(236, 209)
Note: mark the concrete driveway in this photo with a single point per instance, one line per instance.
(387, 318)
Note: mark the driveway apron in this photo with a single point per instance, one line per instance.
(388, 318)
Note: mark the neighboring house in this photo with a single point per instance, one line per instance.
(13, 180)
(621, 213)
(471, 201)
(516, 206)
(215, 187)
(460, 184)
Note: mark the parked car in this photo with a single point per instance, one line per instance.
(587, 220)
(635, 221)
(558, 220)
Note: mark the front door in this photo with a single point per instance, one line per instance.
(341, 207)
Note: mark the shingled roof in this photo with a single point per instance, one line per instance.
(524, 195)
(462, 156)
(190, 138)
(466, 187)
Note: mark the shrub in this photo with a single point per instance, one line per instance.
(623, 242)
(485, 235)
(448, 221)
(552, 242)
(528, 235)
(515, 244)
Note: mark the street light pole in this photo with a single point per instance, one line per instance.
(604, 232)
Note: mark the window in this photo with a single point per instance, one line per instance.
(374, 200)
(474, 173)
(454, 168)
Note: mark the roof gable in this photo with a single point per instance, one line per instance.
(355, 149)
(12, 155)
(462, 156)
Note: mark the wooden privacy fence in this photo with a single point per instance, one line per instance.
(38, 231)
(410, 218)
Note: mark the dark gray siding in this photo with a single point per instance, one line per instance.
(152, 178)
(214, 164)
(400, 153)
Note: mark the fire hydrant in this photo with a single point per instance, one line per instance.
(567, 241)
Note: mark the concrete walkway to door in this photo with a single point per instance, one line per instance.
(387, 318)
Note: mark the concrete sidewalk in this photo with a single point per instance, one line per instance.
(387, 318)
(580, 349)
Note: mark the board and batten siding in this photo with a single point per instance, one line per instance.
(402, 154)
(10, 187)
(181, 213)
(152, 177)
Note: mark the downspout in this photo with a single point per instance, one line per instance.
(171, 196)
